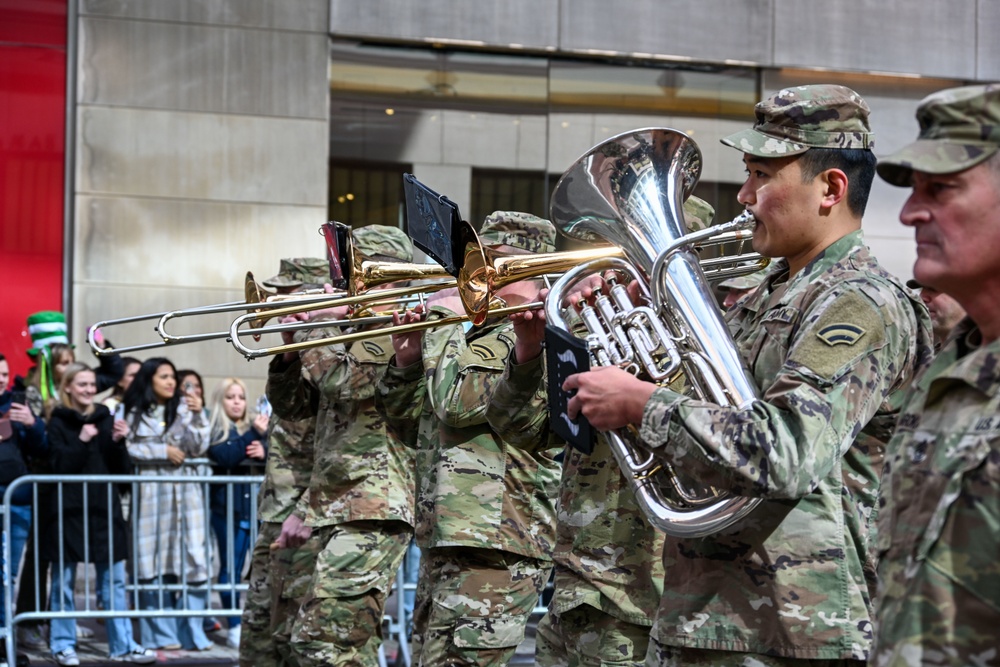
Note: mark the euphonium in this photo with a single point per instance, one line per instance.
(629, 191)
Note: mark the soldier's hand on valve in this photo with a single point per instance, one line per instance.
(608, 397)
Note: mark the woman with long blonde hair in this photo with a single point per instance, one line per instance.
(237, 443)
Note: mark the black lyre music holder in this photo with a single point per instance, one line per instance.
(337, 235)
(435, 225)
(566, 355)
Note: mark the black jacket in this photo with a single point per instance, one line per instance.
(15, 451)
(230, 458)
(69, 456)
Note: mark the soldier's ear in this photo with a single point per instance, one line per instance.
(833, 187)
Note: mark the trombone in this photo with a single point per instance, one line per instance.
(483, 272)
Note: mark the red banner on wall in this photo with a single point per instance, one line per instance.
(32, 158)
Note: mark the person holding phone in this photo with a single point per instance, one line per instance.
(165, 429)
(22, 436)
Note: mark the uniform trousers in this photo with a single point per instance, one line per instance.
(589, 637)
(256, 644)
(340, 619)
(472, 605)
(661, 655)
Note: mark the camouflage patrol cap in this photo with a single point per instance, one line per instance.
(748, 281)
(793, 120)
(959, 128)
(298, 271)
(698, 214)
(382, 242)
(520, 230)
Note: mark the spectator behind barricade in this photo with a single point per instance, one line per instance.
(22, 436)
(735, 289)
(51, 352)
(85, 439)
(945, 312)
(189, 383)
(131, 367)
(165, 429)
(237, 441)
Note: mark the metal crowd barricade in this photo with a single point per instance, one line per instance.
(50, 489)
(53, 486)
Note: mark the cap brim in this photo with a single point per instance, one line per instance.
(759, 144)
(279, 281)
(913, 284)
(932, 156)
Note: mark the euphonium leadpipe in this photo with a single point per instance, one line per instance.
(629, 190)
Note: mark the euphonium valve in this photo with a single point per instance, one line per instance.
(630, 191)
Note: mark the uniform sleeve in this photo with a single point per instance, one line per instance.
(518, 406)
(341, 375)
(462, 379)
(838, 369)
(290, 397)
(400, 398)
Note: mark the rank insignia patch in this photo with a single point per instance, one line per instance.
(483, 351)
(840, 334)
(373, 348)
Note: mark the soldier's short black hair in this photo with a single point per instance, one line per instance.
(858, 164)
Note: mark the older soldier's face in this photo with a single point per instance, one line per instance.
(956, 222)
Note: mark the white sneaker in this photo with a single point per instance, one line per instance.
(83, 632)
(140, 656)
(67, 657)
(233, 637)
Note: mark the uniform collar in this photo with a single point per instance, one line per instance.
(966, 360)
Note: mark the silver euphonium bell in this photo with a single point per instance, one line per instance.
(630, 191)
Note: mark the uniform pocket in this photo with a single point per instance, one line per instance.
(495, 632)
(952, 464)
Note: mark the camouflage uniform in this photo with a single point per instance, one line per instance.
(264, 639)
(360, 496)
(605, 595)
(794, 580)
(286, 477)
(939, 583)
(484, 510)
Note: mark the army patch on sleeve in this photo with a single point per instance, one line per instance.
(373, 348)
(848, 328)
(484, 352)
(840, 334)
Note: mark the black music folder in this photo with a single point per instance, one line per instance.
(434, 224)
(565, 355)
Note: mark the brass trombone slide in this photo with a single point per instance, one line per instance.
(481, 276)
(258, 299)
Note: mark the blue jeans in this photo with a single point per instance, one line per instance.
(20, 525)
(111, 582)
(160, 631)
(241, 546)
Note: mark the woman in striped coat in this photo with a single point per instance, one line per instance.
(170, 525)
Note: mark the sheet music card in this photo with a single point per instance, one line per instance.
(565, 355)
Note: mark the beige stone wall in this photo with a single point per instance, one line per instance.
(201, 153)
